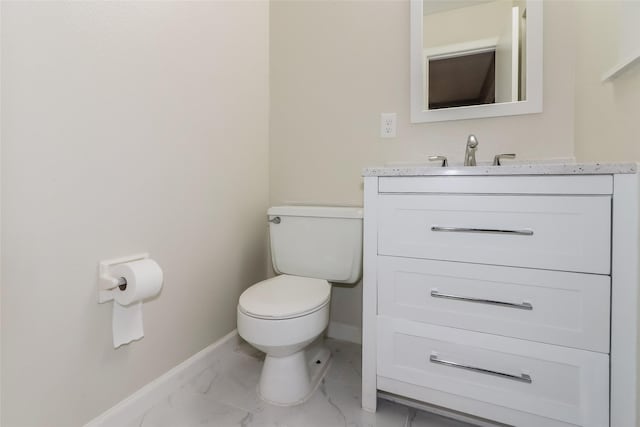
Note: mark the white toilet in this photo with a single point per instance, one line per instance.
(310, 247)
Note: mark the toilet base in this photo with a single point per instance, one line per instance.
(291, 380)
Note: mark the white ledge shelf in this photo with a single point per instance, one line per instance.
(621, 67)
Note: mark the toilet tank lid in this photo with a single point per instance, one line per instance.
(317, 211)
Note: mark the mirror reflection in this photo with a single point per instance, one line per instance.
(474, 52)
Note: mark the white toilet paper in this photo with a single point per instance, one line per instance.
(144, 280)
(127, 323)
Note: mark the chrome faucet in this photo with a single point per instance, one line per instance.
(470, 152)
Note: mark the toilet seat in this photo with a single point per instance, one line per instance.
(285, 297)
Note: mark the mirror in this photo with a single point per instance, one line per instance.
(475, 58)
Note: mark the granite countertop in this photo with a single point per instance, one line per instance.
(534, 168)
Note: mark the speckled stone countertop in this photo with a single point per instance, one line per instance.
(535, 168)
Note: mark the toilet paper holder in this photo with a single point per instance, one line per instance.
(107, 283)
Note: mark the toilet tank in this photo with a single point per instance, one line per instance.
(323, 242)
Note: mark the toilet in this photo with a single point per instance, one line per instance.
(285, 316)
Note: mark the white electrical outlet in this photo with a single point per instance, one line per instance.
(388, 125)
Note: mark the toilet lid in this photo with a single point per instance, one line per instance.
(285, 296)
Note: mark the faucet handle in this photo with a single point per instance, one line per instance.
(498, 157)
(443, 159)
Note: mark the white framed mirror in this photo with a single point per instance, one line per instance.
(475, 58)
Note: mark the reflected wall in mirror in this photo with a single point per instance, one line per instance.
(475, 58)
(476, 63)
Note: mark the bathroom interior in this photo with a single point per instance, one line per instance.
(211, 145)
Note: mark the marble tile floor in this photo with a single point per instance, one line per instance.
(224, 395)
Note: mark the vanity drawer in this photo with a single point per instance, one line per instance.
(564, 384)
(570, 233)
(568, 309)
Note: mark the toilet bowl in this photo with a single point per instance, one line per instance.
(282, 316)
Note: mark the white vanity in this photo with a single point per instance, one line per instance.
(507, 293)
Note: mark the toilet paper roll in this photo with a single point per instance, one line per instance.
(144, 280)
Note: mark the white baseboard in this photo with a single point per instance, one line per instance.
(345, 332)
(143, 399)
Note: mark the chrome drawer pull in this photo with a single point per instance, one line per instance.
(521, 306)
(481, 230)
(523, 378)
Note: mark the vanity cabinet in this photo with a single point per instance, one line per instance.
(512, 298)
